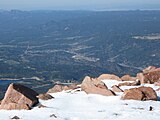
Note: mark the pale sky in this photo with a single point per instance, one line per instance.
(79, 4)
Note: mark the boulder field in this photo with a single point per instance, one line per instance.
(21, 97)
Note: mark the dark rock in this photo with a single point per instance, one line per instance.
(15, 118)
(150, 108)
(53, 115)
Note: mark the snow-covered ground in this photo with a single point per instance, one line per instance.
(73, 105)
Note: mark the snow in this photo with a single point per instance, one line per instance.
(77, 105)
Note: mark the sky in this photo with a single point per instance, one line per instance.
(79, 4)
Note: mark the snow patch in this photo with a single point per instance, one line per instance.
(80, 106)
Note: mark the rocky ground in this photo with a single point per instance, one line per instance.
(105, 97)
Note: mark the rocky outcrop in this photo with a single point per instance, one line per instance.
(149, 93)
(149, 69)
(128, 78)
(153, 76)
(135, 83)
(124, 84)
(44, 96)
(141, 77)
(141, 93)
(133, 94)
(19, 97)
(91, 87)
(60, 88)
(101, 85)
(108, 76)
(157, 83)
(56, 88)
(150, 76)
(115, 88)
(71, 87)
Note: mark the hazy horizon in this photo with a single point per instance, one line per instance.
(79, 4)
